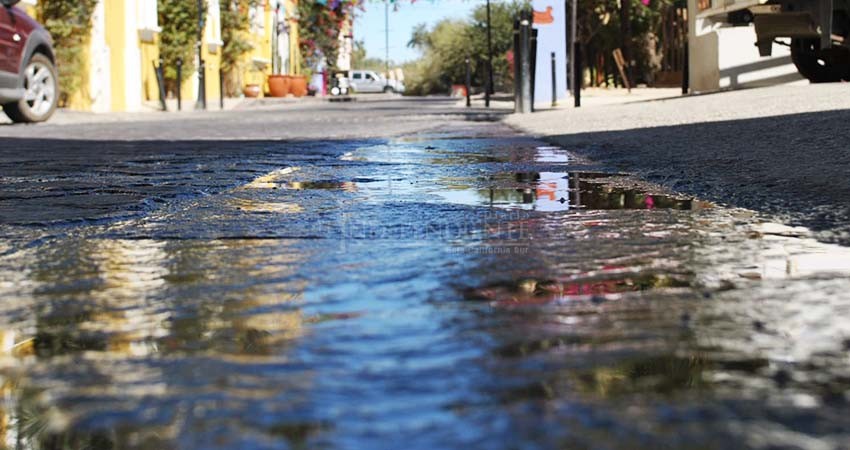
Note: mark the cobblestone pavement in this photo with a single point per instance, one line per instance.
(391, 274)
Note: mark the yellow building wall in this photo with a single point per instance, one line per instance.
(294, 39)
(28, 8)
(115, 12)
(212, 63)
(81, 99)
(150, 56)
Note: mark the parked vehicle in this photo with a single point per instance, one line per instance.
(370, 81)
(819, 31)
(29, 90)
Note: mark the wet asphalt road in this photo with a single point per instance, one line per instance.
(781, 150)
(414, 280)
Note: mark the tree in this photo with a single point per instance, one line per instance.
(69, 22)
(179, 38)
(450, 42)
(360, 60)
(235, 24)
(319, 24)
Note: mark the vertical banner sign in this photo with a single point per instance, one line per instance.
(550, 20)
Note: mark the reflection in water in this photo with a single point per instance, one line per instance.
(105, 312)
(594, 329)
(561, 191)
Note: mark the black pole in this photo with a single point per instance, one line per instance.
(517, 72)
(686, 80)
(468, 83)
(577, 74)
(532, 75)
(554, 83)
(524, 61)
(179, 84)
(160, 82)
(221, 88)
(387, 42)
(202, 79)
(489, 88)
(202, 85)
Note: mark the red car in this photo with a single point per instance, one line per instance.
(28, 81)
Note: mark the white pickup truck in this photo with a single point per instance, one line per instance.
(819, 31)
(370, 81)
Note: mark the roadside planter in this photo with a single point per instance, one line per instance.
(298, 85)
(279, 85)
(251, 90)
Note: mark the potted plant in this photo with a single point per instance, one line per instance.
(279, 85)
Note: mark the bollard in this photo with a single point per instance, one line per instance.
(532, 75)
(160, 82)
(179, 84)
(221, 88)
(202, 86)
(686, 81)
(554, 83)
(468, 83)
(524, 61)
(517, 74)
(577, 74)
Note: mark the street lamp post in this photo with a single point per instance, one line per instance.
(489, 88)
(387, 44)
(202, 79)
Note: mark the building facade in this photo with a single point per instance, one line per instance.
(123, 53)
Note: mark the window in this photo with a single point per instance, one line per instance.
(369, 76)
(358, 76)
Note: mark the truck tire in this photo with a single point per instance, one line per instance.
(820, 65)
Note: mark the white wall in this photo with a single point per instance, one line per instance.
(100, 79)
(741, 66)
(722, 56)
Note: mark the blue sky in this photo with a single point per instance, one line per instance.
(369, 25)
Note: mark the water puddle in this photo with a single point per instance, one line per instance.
(441, 291)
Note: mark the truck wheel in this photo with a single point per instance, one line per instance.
(820, 65)
(41, 92)
(389, 90)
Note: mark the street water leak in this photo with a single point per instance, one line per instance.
(426, 293)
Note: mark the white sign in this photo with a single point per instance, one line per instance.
(551, 24)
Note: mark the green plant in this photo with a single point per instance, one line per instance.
(447, 45)
(319, 24)
(179, 38)
(235, 24)
(69, 22)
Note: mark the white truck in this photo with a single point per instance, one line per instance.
(370, 81)
(818, 31)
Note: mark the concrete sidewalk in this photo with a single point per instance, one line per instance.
(781, 150)
(590, 97)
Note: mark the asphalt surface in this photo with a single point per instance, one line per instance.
(780, 150)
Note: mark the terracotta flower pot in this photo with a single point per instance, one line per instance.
(251, 90)
(279, 85)
(298, 85)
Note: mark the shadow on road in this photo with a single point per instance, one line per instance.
(794, 164)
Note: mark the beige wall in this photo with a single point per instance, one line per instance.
(725, 57)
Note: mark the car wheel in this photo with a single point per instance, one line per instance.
(389, 90)
(41, 92)
(820, 65)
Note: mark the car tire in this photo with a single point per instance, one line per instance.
(41, 92)
(820, 65)
(389, 90)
